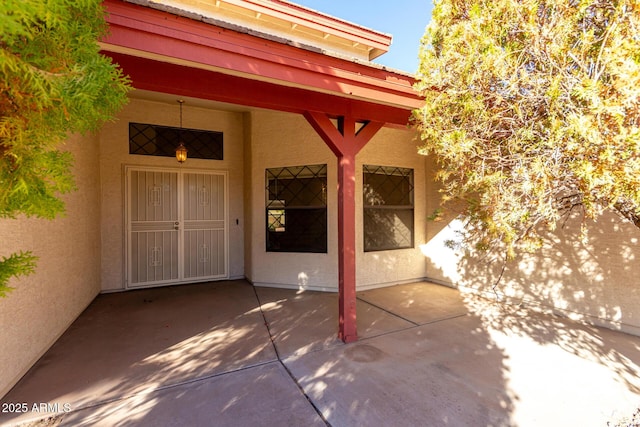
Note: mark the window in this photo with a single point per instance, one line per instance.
(388, 208)
(155, 140)
(297, 209)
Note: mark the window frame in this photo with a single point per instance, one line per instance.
(376, 203)
(165, 139)
(287, 209)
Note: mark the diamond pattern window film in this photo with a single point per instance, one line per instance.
(388, 208)
(296, 209)
(156, 140)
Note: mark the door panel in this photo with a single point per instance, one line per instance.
(153, 236)
(176, 227)
(154, 257)
(202, 253)
(155, 196)
(204, 225)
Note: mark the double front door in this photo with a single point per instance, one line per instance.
(176, 225)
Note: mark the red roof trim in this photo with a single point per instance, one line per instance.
(297, 14)
(165, 38)
(197, 83)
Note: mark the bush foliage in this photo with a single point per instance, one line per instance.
(532, 112)
(53, 82)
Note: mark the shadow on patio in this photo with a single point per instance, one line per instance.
(227, 353)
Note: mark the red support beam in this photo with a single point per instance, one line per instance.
(155, 34)
(345, 142)
(347, 325)
(180, 80)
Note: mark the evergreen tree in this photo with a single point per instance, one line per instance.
(53, 82)
(532, 112)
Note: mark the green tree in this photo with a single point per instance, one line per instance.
(53, 82)
(532, 112)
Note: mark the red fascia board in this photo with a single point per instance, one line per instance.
(318, 21)
(175, 79)
(159, 33)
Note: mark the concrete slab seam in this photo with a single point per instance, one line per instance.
(293, 378)
(443, 319)
(151, 391)
(387, 311)
(175, 385)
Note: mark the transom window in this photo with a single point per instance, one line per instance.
(296, 201)
(156, 140)
(388, 208)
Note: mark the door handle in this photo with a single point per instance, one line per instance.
(176, 225)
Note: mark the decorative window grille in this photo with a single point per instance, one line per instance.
(296, 209)
(388, 208)
(156, 140)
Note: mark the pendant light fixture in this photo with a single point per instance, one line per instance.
(181, 150)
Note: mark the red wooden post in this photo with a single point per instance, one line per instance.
(347, 331)
(345, 143)
(347, 325)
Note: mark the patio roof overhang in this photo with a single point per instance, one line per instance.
(198, 57)
(179, 55)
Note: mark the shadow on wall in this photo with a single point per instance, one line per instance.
(594, 280)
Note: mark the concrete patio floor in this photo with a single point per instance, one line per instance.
(229, 354)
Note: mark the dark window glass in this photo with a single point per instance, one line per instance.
(388, 208)
(297, 209)
(155, 140)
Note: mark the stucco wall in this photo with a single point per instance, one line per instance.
(67, 278)
(278, 140)
(597, 280)
(392, 147)
(114, 155)
(248, 195)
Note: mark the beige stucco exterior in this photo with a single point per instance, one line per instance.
(255, 140)
(392, 147)
(280, 139)
(83, 253)
(67, 278)
(593, 280)
(114, 156)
